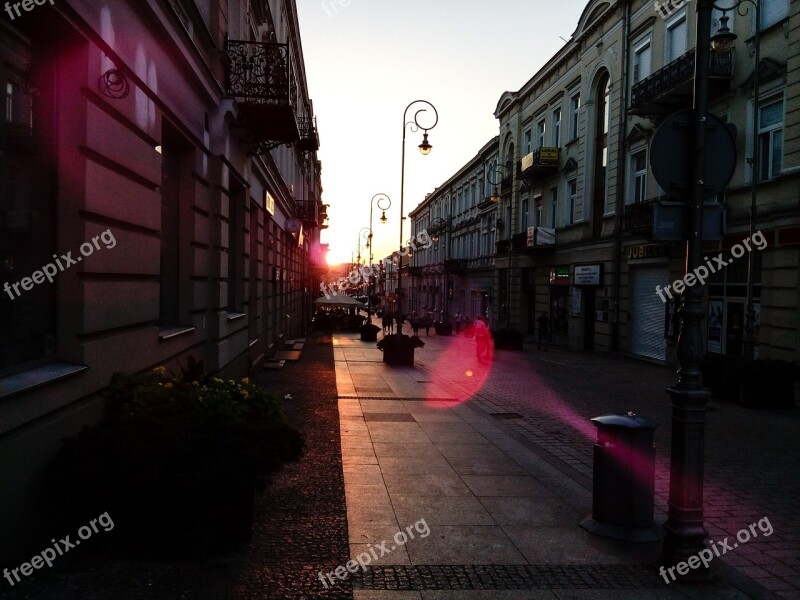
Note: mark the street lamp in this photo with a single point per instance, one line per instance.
(425, 148)
(723, 40)
(384, 203)
(495, 176)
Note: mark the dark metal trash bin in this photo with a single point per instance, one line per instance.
(624, 479)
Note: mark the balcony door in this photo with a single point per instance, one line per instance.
(677, 37)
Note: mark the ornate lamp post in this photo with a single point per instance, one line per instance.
(425, 149)
(384, 203)
(495, 177)
(723, 40)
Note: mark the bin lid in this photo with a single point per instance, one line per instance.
(629, 420)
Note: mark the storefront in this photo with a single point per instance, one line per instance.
(648, 268)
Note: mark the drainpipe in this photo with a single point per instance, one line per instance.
(622, 159)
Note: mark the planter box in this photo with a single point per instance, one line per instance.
(398, 355)
(369, 333)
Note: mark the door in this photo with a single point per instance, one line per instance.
(588, 318)
(647, 312)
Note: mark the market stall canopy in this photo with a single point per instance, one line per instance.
(338, 300)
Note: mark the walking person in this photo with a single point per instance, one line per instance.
(458, 322)
(415, 323)
(386, 321)
(544, 330)
(399, 317)
(482, 339)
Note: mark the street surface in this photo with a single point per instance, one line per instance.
(498, 454)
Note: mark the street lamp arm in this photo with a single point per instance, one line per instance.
(741, 10)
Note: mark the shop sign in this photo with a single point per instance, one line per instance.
(269, 203)
(588, 274)
(559, 276)
(639, 251)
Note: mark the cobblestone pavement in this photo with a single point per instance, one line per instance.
(300, 523)
(546, 398)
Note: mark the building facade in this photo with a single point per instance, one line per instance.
(576, 142)
(456, 273)
(160, 197)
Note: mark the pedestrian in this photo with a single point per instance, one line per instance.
(415, 323)
(386, 320)
(482, 338)
(458, 322)
(428, 322)
(399, 318)
(544, 330)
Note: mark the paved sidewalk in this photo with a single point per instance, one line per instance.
(488, 466)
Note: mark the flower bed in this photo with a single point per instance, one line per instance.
(177, 459)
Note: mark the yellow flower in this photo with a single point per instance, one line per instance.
(168, 385)
(196, 384)
(245, 380)
(244, 393)
(217, 380)
(160, 370)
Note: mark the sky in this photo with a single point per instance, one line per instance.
(366, 60)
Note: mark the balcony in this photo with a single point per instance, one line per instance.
(307, 212)
(638, 217)
(670, 88)
(259, 75)
(519, 241)
(539, 164)
(502, 246)
(309, 138)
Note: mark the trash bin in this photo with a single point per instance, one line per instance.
(624, 479)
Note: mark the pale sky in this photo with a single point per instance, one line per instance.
(366, 60)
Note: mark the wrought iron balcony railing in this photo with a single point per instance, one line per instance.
(540, 163)
(638, 217)
(309, 138)
(669, 88)
(307, 212)
(261, 77)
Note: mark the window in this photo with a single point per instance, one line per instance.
(642, 63)
(236, 247)
(638, 186)
(574, 108)
(556, 139)
(537, 211)
(773, 11)
(540, 131)
(528, 142)
(770, 139)
(677, 32)
(572, 194)
(553, 206)
(523, 215)
(28, 204)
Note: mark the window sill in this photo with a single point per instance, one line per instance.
(173, 332)
(571, 142)
(234, 316)
(38, 377)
